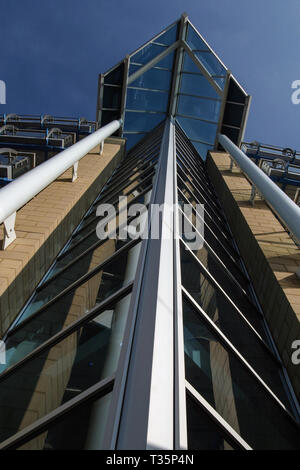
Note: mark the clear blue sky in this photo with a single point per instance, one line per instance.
(52, 51)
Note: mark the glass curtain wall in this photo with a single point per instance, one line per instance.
(64, 348)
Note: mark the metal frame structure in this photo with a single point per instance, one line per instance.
(147, 408)
(121, 79)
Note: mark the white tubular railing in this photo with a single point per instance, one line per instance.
(20, 191)
(287, 211)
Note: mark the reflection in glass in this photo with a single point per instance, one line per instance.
(198, 107)
(110, 278)
(147, 100)
(198, 130)
(83, 428)
(233, 391)
(202, 432)
(60, 373)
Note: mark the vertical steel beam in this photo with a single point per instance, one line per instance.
(147, 420)
(177, 67)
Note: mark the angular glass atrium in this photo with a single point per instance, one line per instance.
(142, 342)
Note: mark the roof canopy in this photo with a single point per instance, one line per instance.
(174, 74)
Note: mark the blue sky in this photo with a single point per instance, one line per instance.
(52, 52)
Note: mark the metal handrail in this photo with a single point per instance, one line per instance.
(287, 211)
(20, 191)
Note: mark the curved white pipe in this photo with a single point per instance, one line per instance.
(20, 191)
(280, 202)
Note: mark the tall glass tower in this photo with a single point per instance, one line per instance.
(150, 342)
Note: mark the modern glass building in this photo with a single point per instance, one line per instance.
(152, 342)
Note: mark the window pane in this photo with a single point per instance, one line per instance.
(197, 85)
(132, 139)
(211, 63)
(198, 130)
(114, 275)
(147, 100)
(202, 432)
(141, 122)
(202, 149)
(75, 430)
(198, 107)
(149, 52)
(189, 65)
(169, 36)
(235, 394)
(65, 370)
(194, 40)
(155, 79)
(211, 299)
(221, 311)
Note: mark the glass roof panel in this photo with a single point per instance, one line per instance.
(221, 82)
(148, 53)
(197, 85)
(202, 148)
(115, 77)
(189, 65)
(169, 36)
(142, 122)
(147, 100)
(132, 139)
(194, 40)
(211, 63)
(198, 130)
(148, 97)
(198, 107)
(155, 79)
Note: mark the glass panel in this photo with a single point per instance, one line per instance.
(202, 432)
(197, 85)
(198, 130)
(132, 139)
(197, 283)
(202, 149)
(155, 79)
(220, 81)
(211, 63)
(112, 97)
(221, 311)
(235, 394)
(147, 100)
(149, 52)
(169, 36)
(83, 428)
(115, 77)
(198, 107)
(141, 122)
(92, 220)
(63, 371)
(194, 40)
(189, 65)
(92, 237)
(114, 275)
(219, 245)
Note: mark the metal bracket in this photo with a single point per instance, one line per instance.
(9, 230)
(101, 147)
(253, 194)
(75, 172)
